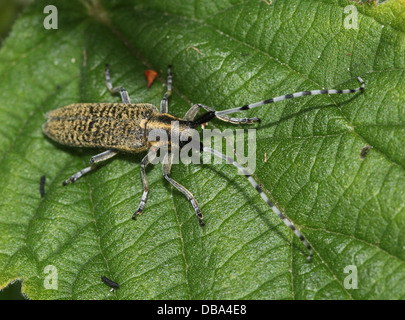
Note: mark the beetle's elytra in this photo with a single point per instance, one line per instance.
(125, 127)
(118, 126)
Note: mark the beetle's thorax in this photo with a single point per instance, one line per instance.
(161, 128)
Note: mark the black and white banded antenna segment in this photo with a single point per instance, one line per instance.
(291, 96)
(252, 181)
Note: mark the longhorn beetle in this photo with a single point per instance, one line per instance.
(124, 127)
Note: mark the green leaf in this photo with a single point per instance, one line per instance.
(225, 54)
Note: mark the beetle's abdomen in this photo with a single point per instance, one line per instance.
(102, 125)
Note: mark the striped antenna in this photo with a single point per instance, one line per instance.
(252, 181)
(291, 96)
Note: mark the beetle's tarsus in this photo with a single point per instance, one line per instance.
(138, 212)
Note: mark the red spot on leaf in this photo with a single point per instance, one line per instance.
(150, 76)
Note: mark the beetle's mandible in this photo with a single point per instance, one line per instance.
(125, 127)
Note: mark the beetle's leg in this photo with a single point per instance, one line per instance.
(97, 158)
(121, 90)
(166, 171)
(145, 161)
(192, 112)
(164, 105)
(103, 156)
